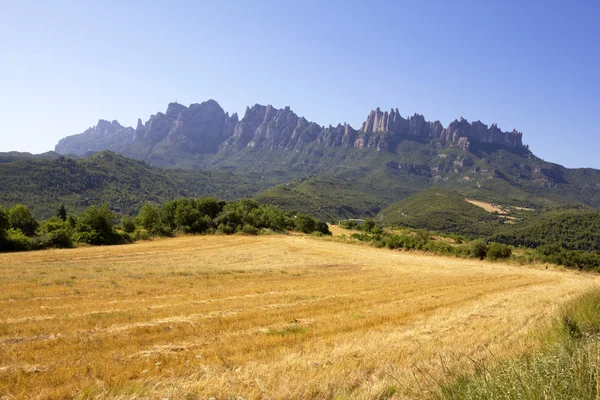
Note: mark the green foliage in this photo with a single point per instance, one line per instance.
(16, 240)
(127, 224)
(478, 249)
(55, 232)
(305, 223)
(4, 222)
(20, 218)
(440, 210)
(149, 218)
(46, 184)
(95, 226)
(367, 225)
(497, 251)
(62, 213)
(569, 230)
(248, 229)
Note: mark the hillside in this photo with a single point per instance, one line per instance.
(43, 185)
(324, 197)
(389, 157)
(563, 230)
(441, 211)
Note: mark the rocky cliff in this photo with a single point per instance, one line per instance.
(197, 129)
(103, 136)
(459, 132)
(206, 128)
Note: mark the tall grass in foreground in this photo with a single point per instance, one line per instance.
(565, 367)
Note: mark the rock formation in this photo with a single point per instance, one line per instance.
(205, 128)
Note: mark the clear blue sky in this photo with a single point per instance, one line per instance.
(532, 66)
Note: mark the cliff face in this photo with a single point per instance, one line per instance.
(460, 132)
(199, 128)
(206, 129)
(103, 136)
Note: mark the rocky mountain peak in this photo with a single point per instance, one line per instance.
(205, 128)
(416, 125)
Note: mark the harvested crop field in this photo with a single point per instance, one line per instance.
(258, 317)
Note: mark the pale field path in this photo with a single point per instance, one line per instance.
(276, 317)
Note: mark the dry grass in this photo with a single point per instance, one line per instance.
(260, 317)
(487, 206)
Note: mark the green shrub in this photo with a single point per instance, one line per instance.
(305, 223)
(463, 251)
(140, 234)
(439, 247)
(367, 225)
(478, 249)
(20, 218)
(127, 224)
(225, 229)
(349, 224)
(249, 230)
(17, 240)
(498, 251)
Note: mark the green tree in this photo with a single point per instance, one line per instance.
(62, 213)
(127, 224)
(20, 218)
(149, 218)
(96, 226)
(4, 225)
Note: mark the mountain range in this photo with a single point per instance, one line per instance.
(331, 172)
(205, 129)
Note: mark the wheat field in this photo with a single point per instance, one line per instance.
(274, 317)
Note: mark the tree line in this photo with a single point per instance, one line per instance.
(99, 225)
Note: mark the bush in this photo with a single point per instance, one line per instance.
(322, 228)
(498, 251)
(249, 230)
(17, 240)
(225, 229)
(367, 225)
(140, 234)
(478, 249)
(305, 223)
(55, 232)
(349, 224)
(20, 218)
(95, 226)
(127, 224)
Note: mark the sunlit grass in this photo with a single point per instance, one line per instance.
(259, 317)
(566, 365)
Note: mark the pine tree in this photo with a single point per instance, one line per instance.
(62, 213)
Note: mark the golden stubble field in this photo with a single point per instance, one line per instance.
(277, 317)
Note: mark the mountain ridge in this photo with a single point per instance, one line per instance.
(205, 128)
